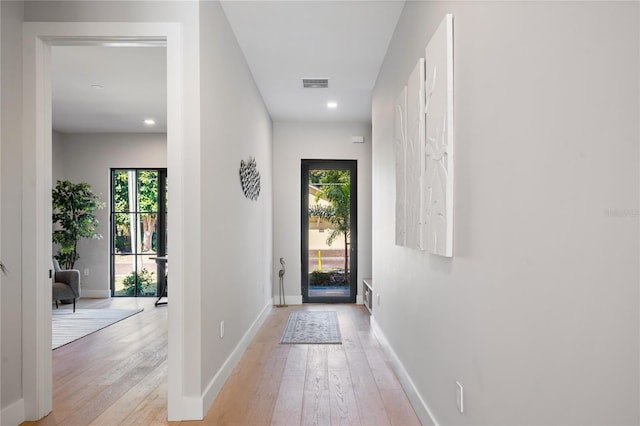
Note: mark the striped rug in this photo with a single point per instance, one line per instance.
(67, 326)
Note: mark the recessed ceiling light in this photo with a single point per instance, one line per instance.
(332, 105)
(97, 87)
(149, 122)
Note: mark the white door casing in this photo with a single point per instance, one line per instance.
(38, 37)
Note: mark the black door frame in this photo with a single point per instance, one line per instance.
(352, 166)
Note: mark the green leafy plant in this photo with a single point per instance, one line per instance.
(327, 278)
(144, 281)
(3, 268)
(144, 183)
(74, 206)
(317, 278)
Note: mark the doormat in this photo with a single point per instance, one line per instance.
(312, 327)
(68, 326)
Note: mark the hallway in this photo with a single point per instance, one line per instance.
(279, 384)
(117, 376)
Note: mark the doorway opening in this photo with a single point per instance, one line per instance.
(329, 231)
(38, 39)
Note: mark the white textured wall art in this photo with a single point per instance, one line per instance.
(400, 140)
(424, 149)
(437, 173)
(415, 142)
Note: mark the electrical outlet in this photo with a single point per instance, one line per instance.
(378, 299)
(86, 272)
(221, 329)
(460, 397)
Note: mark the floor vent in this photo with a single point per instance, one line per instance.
(315, 83)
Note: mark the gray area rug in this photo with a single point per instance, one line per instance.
(312, 327)
(67, 326)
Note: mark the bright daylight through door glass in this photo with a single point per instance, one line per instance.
(135, 239)
(329, 236)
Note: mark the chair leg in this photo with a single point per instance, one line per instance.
(74, 304)
(56, 303)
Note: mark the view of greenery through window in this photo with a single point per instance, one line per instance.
(329, 228)
(135, 215)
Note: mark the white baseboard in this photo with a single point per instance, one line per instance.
(421, 408)
(290, 299)
(95, 294)
(193, 408)
(13, 415)
(221, 376)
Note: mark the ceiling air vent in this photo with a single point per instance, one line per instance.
(315, 83)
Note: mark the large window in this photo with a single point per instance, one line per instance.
(138, 230)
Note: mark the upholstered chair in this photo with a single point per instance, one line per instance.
(66, 284)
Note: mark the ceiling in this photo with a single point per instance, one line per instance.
(283, 42)
(133, 88)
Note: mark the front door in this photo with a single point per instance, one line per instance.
(329, 231)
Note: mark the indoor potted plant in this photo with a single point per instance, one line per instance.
(74, 206)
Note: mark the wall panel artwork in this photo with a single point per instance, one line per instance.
(415, 142)
(400, 139)
(437, 185)
(424, 169)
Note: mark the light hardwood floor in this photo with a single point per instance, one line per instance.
(118, 376)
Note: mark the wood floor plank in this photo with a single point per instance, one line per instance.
(296, 360)
(399, 410)
(344, 410)
(288, 406)
(382, 373)
(316, 402)
(127, 406)
(118, 376)
(368, 400)
(152, 411)
(260, 410)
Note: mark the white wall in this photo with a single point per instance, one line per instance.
(537, 313)
(89, 158)
(293, 142)
(11, 193)
(235, 236)
(57, 157)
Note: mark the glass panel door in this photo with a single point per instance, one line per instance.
(138, 218)
(329, 255)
